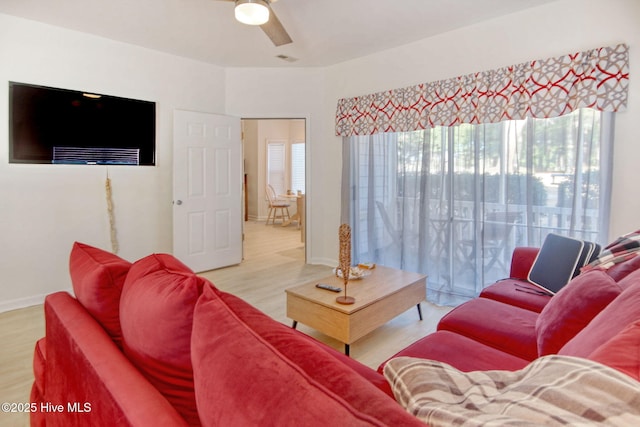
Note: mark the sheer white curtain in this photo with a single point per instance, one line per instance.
(453, 202)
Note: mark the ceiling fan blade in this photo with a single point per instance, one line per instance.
(274, 29)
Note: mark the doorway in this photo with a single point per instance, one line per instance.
(275, 154)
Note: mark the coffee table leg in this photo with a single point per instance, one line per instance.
(346, 349)
(295, 323)
(419, 311)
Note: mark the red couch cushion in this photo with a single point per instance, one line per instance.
(622, 311)
(572, 308)
(516, 292)
(460, 352)
(97, 277)
(622, 352)
(522, 259)
(502, 326)
(243, 380)
(156, 313)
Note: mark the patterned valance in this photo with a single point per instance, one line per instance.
(597, 78)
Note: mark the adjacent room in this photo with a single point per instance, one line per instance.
(275, 174)
(291, 212)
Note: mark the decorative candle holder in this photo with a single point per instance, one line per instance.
(344, 259)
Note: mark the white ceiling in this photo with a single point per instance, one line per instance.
(324, 32)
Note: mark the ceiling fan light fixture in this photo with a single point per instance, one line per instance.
(252, 12)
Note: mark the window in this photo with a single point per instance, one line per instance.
(276, 173)
(298, 166)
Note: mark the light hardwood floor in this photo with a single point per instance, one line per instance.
(273, 261)
(19, 331)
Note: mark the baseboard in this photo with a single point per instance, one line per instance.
(18, 303)
(323, 261)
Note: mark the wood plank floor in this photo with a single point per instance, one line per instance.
(19, 331)
(273, 261)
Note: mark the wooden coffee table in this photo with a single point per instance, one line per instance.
(381, 296)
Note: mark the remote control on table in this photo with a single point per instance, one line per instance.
(328, 287)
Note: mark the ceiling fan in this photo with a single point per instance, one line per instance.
(259, 12)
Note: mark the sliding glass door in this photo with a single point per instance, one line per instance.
(453, 202)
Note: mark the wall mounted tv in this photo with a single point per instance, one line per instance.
(49, 125)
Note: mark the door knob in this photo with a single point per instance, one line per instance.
(178, 202)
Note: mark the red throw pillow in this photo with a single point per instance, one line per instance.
(622, 352)
(302, 349)
(156, 313)
(97, 277)
(572, 308)
(342, 375)
(242, 380)
(622, 311)
(623, 269)
(629, 279)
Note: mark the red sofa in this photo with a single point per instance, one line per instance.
(513, 322)
(152, 344)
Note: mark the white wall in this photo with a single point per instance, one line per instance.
(44, 208)
(297, 93)
(555, 29)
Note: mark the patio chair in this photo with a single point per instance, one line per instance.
(495, 234)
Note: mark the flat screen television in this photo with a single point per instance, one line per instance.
(60, 126)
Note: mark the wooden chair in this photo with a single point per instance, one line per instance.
(276, 205)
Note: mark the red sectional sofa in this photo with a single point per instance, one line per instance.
(152, 344)
(514, 322)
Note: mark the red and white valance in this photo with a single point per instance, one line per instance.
(597, 78)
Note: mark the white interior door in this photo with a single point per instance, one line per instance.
(207, 190)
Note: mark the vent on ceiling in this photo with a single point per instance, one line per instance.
(287, 58)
